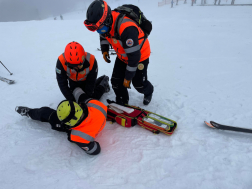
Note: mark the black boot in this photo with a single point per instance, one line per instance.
(105, 83)
(120, 101)
(23, 111)
(147, 99)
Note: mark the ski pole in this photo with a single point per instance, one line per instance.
(6, 68)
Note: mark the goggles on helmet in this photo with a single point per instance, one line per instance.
(95, 26)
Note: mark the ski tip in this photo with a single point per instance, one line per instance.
(209, 124)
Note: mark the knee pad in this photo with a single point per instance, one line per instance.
(77, 93)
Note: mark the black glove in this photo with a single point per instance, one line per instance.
(110, 101)
(60, 127)
(56, 124)
(92, 148)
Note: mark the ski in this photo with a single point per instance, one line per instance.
(9, 81)
(215, 125)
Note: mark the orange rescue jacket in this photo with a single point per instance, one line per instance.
(116, 44)
(92, 125)
(78, 76)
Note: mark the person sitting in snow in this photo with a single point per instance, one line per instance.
(132, 50)
(82, 121)
(77, 68)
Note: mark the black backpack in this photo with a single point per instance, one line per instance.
(134, 13)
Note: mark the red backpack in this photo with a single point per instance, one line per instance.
(146, 119)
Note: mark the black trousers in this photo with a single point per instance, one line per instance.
(98, 90)
(46, 114)
(139, 81)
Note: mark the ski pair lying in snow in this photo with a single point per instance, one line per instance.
(129, 116)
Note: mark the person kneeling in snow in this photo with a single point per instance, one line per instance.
(77, 68)
(82, 121)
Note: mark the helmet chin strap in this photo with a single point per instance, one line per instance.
(79, 121)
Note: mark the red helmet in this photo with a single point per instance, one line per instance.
(74, 53)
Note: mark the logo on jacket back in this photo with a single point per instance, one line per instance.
(114, 40)
(129, 42)
(140, 66)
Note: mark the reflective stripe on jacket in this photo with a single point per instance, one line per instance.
(78, 76)
(117, 44)
(92, 125)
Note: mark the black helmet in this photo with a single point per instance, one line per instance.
(98, 13)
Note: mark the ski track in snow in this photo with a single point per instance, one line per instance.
(200, 66)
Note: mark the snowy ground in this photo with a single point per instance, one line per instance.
(200, 66)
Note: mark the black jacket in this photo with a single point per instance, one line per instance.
(88, 85)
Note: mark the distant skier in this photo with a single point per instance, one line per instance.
(61, 17)
(77, 68)
(132, 56)
(82, 122)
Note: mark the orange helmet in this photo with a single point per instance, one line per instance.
(74, 53)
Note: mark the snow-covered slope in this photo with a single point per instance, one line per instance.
(200, 66)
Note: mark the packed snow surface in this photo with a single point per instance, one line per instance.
(200, 66)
